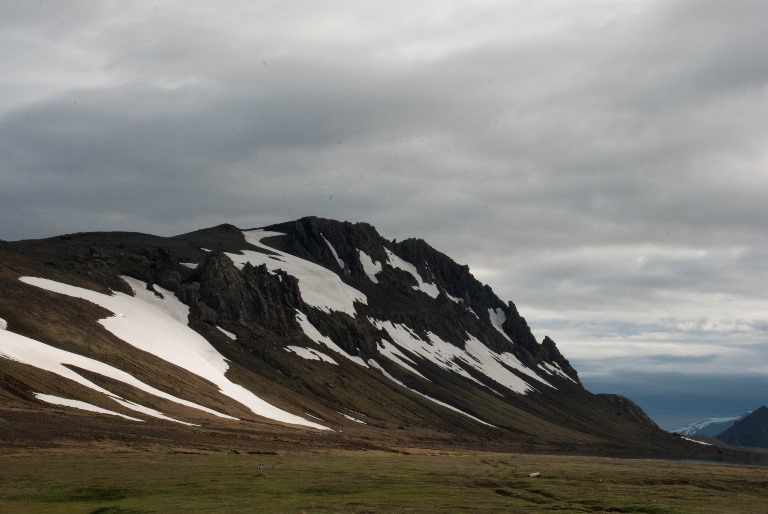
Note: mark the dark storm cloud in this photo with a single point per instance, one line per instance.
(600, 163)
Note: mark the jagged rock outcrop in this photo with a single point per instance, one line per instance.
(218, 290)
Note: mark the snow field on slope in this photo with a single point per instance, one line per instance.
(320, 287)
(154, 325)
(376, 365)
(311, 332)
(310, 354)
(476, 354)
(397, 262)
(370, 267)
(699, 425)
(434, 349)
(49, 358)
(495, 365)
(333, 251)
(555, 369)
(77, 404)
(497, 320)
(394, 354)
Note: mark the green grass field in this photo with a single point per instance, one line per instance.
(140, 482)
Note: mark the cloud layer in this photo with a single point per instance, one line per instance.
(600, 163)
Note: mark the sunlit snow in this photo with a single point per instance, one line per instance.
(3, 324)
(320, 287)
(397, 262)
(333, 251)
(310, 354)
(370, 267)
(315, 335)
(376, 365)
(154, 325)
(77, 404)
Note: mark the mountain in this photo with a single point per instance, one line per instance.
(709, 427)
(312, 333)
(751, 431)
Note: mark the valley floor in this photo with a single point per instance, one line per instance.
(104, 480)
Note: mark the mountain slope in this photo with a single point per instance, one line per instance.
(311, 332)
(751, 430)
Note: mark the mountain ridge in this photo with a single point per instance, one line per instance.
(327, 321)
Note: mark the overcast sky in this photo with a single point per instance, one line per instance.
(602, 163)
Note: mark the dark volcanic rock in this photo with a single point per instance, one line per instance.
(251, 295)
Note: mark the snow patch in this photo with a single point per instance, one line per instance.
(154, 325)
(150, 412)
(432, 349)
(397, 262)
(353, 419)
(394, 354)
(376, 365)
(315, 335)
(333, 251)
(227, 333)
(166, 302)
(77, 404)
(695, 441)
(190, 265)
(310, 354)
(3, 324)
(320, 287)
(49, 358)
(494, 365)
(497, 320)
(452, 298)
(370, 267)
(555, 369)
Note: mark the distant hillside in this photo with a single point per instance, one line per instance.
(750, 431)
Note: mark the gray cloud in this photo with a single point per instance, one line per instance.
(602, 164)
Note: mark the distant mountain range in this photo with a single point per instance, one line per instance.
(313, 333)
(707, 427)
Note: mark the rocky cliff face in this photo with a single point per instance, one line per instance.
(308, 325)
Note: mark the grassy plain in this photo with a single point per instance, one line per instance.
(345, 482)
